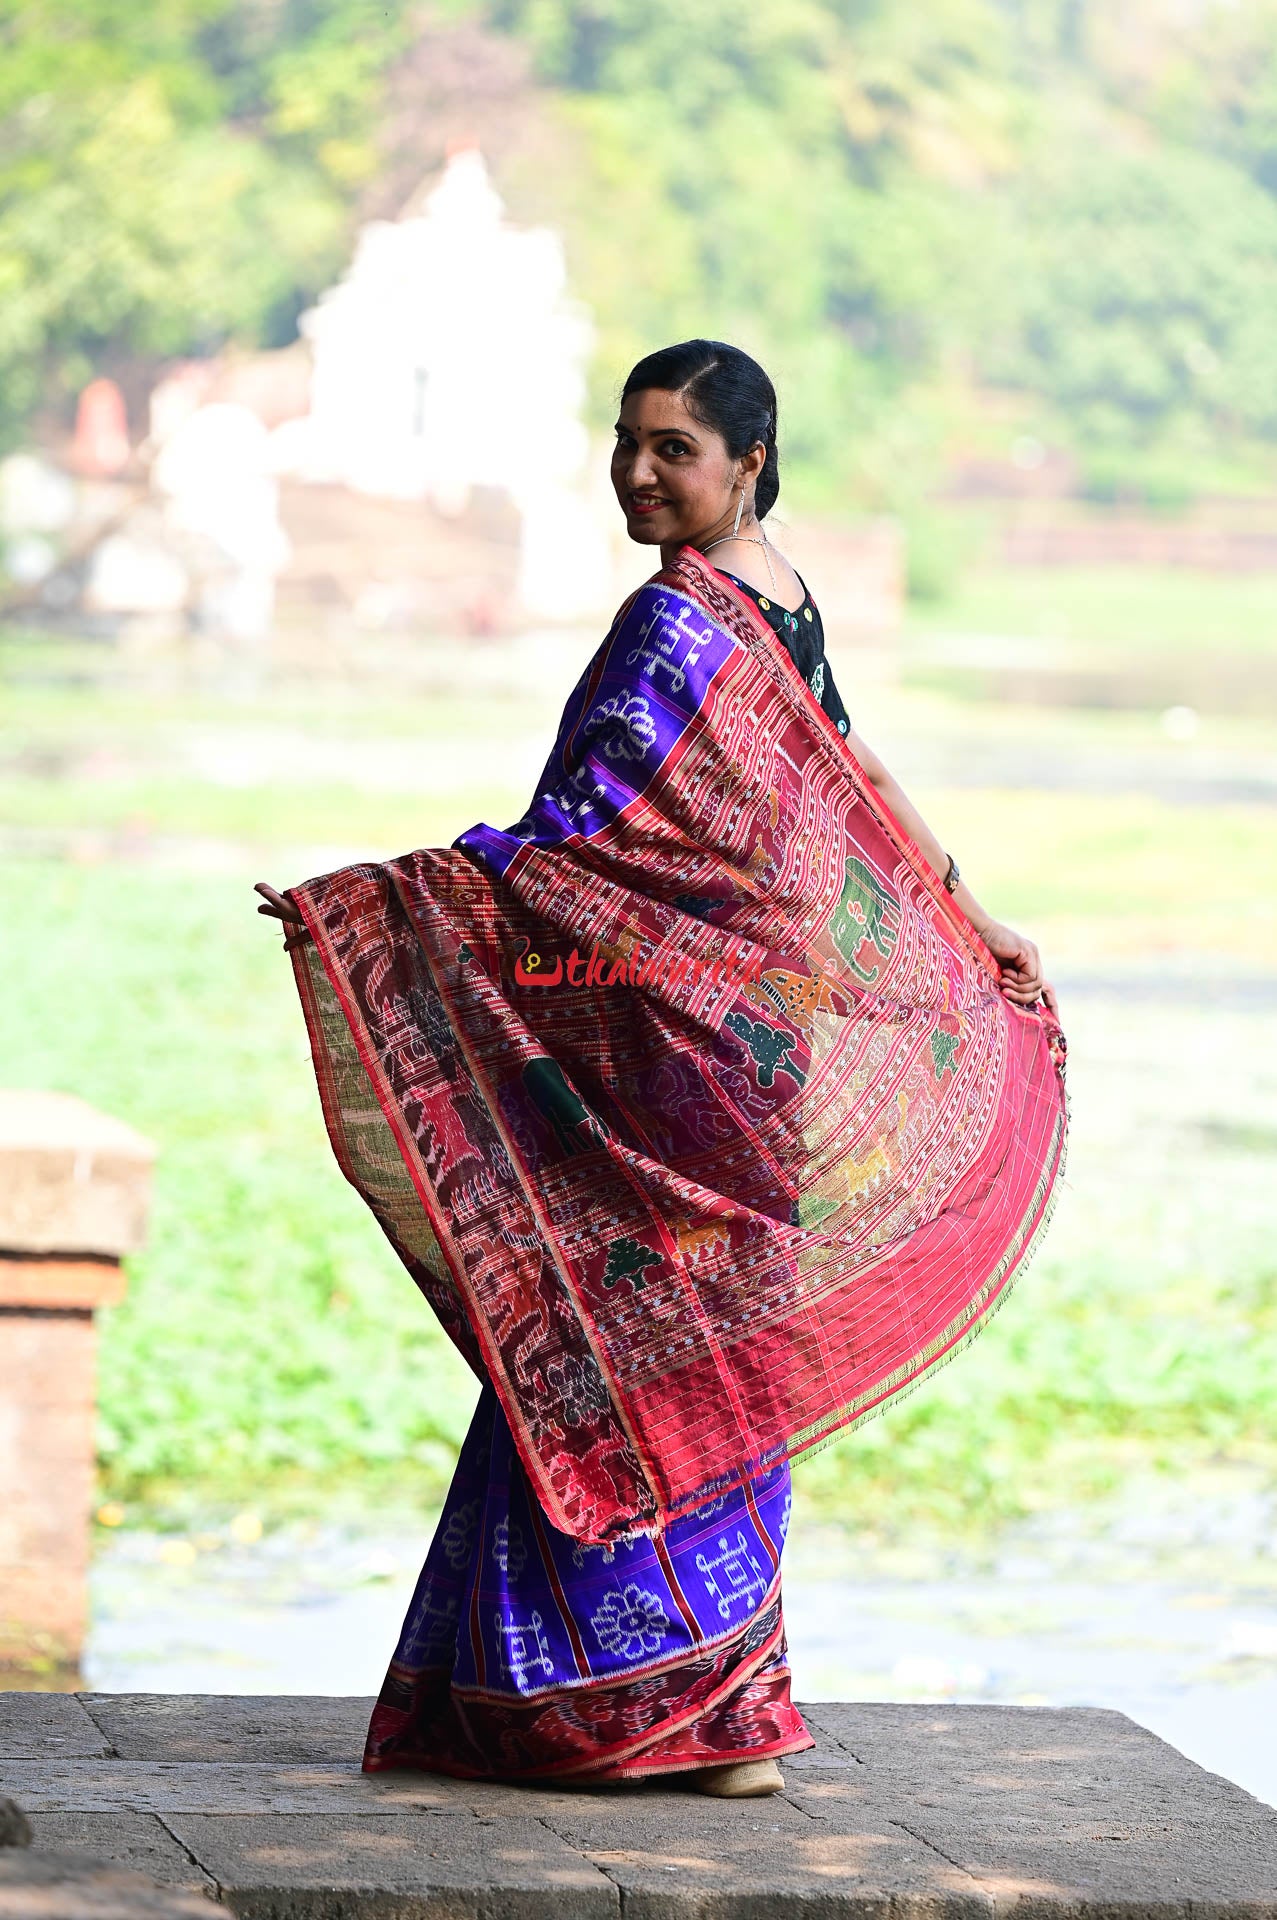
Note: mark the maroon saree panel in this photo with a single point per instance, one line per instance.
(691, 1101)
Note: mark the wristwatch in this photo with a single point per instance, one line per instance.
(953, 876)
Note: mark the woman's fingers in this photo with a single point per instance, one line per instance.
(1028, 962)
(1018, 958)
(1022, 980)
(277, 907)
(1021, 966)
(1028, 994)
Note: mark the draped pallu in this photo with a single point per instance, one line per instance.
(690, 1101)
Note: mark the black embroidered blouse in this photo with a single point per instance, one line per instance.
(803, 638)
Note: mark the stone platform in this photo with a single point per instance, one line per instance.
(903, 1812)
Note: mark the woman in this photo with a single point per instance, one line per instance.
(711, 1111)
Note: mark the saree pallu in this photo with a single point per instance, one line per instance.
(527, 1654)
(691, 1101)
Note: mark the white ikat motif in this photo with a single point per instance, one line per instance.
(432, 1627)
(508, 1548)
(733, 1574)
(631, 1623)
(459, 1535)
(633, 730)
(522, 1646)
(673, 650)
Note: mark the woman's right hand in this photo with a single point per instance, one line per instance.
(277, 908)
(1022, 977)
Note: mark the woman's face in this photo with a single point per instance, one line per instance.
(675, 480)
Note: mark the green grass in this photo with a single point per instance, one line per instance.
(1111, 880)
(269, 1336)
(103, 701)
(1121, 615)
(1143, 1334)
(267, 816)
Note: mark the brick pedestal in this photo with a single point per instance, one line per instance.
(74, 1192)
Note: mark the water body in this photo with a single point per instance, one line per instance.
(1165, 1610)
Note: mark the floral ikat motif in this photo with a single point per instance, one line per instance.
(613, 1608)
(508, 1549)
(631, 1623)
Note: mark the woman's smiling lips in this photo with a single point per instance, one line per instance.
(642, 503)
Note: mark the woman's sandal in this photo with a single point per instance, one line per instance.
(745, 1780)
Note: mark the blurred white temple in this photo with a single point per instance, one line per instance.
(450, 358)
(416, 465)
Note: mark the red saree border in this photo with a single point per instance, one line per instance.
(649, 1764)
(482, 1719)
(394, 1119)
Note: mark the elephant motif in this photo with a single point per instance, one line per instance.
(867, 916)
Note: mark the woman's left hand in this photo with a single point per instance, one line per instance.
(1021, 964)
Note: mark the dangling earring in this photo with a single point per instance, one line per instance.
(740, 508)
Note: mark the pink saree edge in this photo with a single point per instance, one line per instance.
(394, 1120)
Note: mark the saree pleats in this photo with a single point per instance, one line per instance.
(526, 1654)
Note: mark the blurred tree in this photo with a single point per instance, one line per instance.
(889, 203)
(1146, 288)
(171, 175)
(1216, 86)
(800, 175)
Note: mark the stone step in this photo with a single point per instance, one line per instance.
(917, 1811)
(68, 1886)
